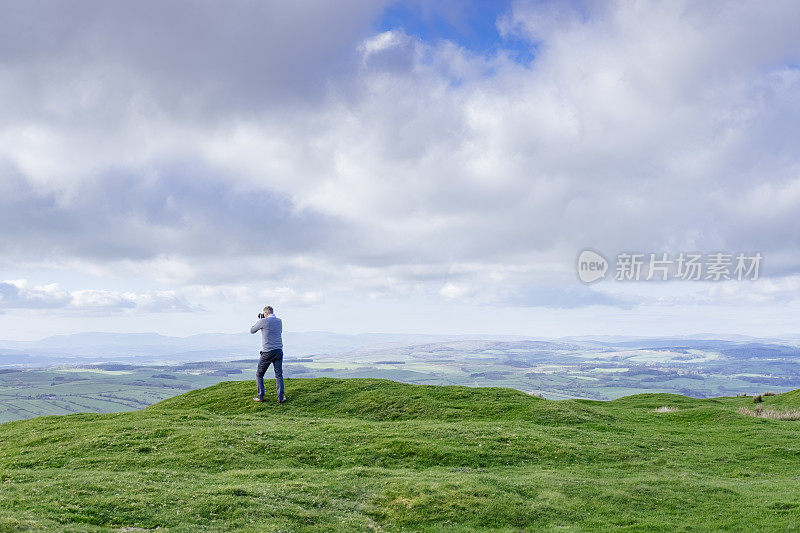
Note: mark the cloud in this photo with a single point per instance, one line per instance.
(277, 296)
(182, 210)
(199, 60)
(18, 294)
(15, 294)
(779, 290)
(517, 295)
(566, 298)
(193, 147)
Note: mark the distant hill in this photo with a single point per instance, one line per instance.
(81, 348)
(365, 454)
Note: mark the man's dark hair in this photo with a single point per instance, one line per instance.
(269, 308)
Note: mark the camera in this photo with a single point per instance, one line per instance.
(260, 315)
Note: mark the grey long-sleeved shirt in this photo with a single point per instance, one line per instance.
(271, 328)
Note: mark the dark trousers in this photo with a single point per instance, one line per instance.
(275, 358)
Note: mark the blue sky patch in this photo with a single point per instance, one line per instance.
(471, 25)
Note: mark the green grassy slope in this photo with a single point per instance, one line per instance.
(366, 454)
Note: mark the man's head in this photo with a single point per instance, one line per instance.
(268, 310)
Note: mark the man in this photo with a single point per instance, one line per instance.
(271, 352)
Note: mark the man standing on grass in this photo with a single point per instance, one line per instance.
(271, 352)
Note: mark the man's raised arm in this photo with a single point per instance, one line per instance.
(257, 326)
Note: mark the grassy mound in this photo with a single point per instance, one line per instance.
(378, 399)
(788, 400)
(372, 454)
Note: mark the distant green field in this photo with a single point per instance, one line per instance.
(57, 391)
(364, 454)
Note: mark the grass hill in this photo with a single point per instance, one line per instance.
(363, 454)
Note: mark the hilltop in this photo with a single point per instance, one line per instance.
(365, 454)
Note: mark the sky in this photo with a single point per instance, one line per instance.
(383, 166)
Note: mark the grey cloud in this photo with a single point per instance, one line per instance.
(182, 209)
(196, 59)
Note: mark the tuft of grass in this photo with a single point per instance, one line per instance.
(760, 412)
(666, 409)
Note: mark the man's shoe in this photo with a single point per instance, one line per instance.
(257, 399)
(282, 400)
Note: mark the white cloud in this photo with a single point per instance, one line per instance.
(19, 294)
(382, 42)
(763, 291)
(454, 291)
